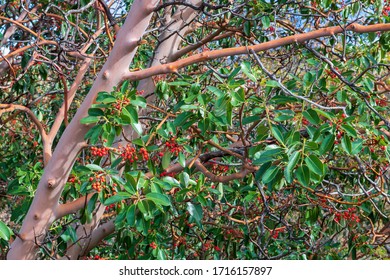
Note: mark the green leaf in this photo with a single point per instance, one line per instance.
(247, 28)
(166, 160)
(5, 232)
(96, 112)
(124, 87)
(292, 162)
(195, 211)
(182, 118)
(94, 167)
(91, 203)
(25, 59)
(268, 155)
(315, 165)
(131, 112)
(327, 144)
(311, 116)
(238, 97)
(94, 133)
(106, 98)
(349, 129)
(130, 215)
(346, 144)
(158, 199)
(184, 179)
(357, 146)
(137, 127)
(266, 21)
(116, 198)
(89, 120)
(246, 68)
(182, 160)
(143, 206)
(272, 83)
(303, 175)
(139, 101)
(277, 134)
(270, 174)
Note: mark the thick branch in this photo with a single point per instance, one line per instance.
(23, 49)
(222, 179)
(210, 55)
(192, 47)
(12, 107)
(72, 207)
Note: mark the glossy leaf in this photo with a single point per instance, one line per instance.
(303, 175)
(315, 165)
(158, 198)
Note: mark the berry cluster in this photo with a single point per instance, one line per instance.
(180, 240)
(168, 174)
(271, 29)
(98, 182)
(109, 207)
(216, 248)
(386, 9)
(144, 153)
(129, 153)
(373, 143)
(348, 215)
(275, 232)
(173, 147)
(207, 245)
(339, 132)
(153, 245)
(331, 74)
(119, 104)
(73, 179)
(381, 102)
(216, 168)
(100, 152)
(234, 233)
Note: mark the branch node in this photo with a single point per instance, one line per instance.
(106, 75)
(51, 183)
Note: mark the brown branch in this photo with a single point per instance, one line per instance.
(99, 234)
(244, 222)
(12, 107)
(192, 47)
(23, 49)
(109, 15)
(21, 26)
(222, 179)
(225, 149)
(46, 141)
(72, 207)
(68, 22)
(383, 85)
(173, 67)
(66, 105)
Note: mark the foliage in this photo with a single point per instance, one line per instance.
(311, 182)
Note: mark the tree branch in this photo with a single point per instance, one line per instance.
(72, 207)
(173, 67)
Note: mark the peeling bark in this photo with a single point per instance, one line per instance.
(43, 211)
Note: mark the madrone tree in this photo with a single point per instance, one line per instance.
(194, 129)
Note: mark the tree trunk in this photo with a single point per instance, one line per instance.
(43, 211)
